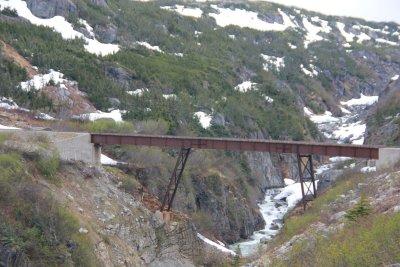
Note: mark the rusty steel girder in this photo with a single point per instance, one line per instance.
(256, 145)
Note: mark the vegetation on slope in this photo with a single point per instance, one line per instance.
(365, 235)
(30, 219)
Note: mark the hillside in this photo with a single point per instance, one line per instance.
(194, 68)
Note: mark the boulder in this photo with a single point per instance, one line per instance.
(106, 33)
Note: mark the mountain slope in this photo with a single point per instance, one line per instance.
(190, 68)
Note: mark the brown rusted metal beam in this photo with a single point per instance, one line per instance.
(306, 148)
(307, 179)
(175, 179)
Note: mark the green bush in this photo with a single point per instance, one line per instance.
(106, 126)
(363, 208)
(48, 165)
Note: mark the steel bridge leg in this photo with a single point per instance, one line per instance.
(307, 180)
(175, 179)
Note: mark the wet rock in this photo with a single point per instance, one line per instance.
(264, 240)
(274, 226)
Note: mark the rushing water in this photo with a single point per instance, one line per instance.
(272, 211)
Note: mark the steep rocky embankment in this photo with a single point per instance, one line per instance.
(193, 68)
(356, 222)
(75, 211)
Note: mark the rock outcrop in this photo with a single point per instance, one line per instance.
(50, 8)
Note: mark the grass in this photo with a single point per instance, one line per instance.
(319, 209)
(373, 241)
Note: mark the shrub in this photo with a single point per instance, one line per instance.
(9, 12)
(48, 164)
(103, 126)
(363, 208)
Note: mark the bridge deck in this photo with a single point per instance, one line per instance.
(358, 151)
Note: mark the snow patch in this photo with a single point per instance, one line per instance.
(3, 127)
(150, 47)
(272, 61)
(292, 46)
(41, 80)
(216, 245)
(368, 169)
(107, 161)
(348, 36)
(185, 11)
(245, 86)
(60, 25)
(313, 30)
(394, 78)
(318, 119)
(204, 119)
(384, 41)
(269, 99)
(248, 19)
(311, 73)
(362, 101)
(170, 96)
(115, 115)
(137, 92)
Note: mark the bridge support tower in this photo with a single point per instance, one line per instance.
(307, 179)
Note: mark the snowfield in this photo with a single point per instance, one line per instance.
(348, 128)
(204, 119)
(185, 11)
(60, 25)
(216, 245)
(245, 86)
(248, 19)
(41, 80)
(272, 62)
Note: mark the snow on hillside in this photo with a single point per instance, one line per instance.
(137, 92)
(272, 61)
(245, 86)
(115, 115)
(348, 36)
(41, 80)
(216, 245)
(311, 73)
(185, 11)
(2, 127)
(362, 101)
(346, 129)
(248, 19)
(312, 31)
(150, 47)
(60, 25)
(204, 119)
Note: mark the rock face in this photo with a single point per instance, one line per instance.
(383, 121)
(119, 75)
(10, 257)
(50, 8)
(125, 232)
(106, 33)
